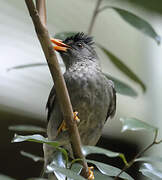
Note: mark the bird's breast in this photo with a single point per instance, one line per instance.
(89, 96)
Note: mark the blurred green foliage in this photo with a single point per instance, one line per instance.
(150, 5)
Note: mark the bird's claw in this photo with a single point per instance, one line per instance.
(91, 174)
(63, 126)
(75, 113)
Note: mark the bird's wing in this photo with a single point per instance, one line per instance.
(54, 116)
(50, 102)
(112, 106)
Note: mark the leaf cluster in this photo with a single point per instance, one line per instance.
(64, 168)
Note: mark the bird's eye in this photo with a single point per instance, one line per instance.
(80, 45)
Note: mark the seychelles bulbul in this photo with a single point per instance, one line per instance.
(92, 95)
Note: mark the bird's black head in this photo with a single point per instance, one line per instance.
(77, 48)
(79, 40)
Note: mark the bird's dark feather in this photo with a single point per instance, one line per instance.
(50, 102)
(79, 37)
(112, 107)
(52, 96)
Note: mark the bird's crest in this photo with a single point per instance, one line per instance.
(79, 37)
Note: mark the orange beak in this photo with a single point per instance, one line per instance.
(60, 46)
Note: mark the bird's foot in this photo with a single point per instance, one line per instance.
(63, 126)
(91, 174)
(75, 113)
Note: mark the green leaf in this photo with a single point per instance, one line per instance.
(138, 23)
(99, 176)
(40, 139)
(34, 138)
(110, 170)
(121, 87)
(76, 167)
(75, 160)
(64, 152)
(31, 156)
(36, 179)
(64, 35)
(58, 160)
(67, 172)
(134, 124)
(26, 128)
(4, 177)
(122, 67)
(97, 150)
(150, 159)
(27, 66)
(151, 172)
(30, 66)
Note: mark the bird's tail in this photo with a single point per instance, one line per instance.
(53, 156)
(49, 153)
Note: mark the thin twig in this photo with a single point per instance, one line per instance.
(103, 8)
(158, 142)
(139, 154)
(94, 17)
(60, 86)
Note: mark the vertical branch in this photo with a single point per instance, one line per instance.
(94, 17)
(41, 8)
(60, 86)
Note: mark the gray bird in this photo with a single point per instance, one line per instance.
(91, 93)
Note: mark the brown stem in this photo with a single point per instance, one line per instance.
(138, 155)
(41, 8)
(60, 86)
(94, 17)
(133, 160)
